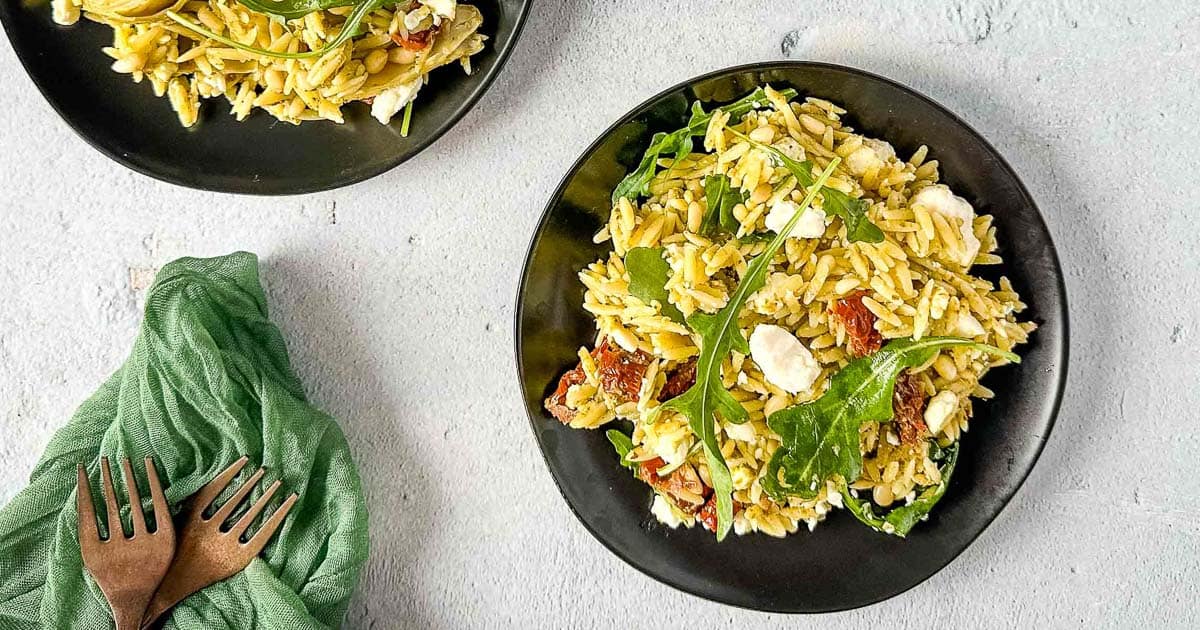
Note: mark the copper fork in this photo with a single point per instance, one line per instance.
(128, 569)
(208, 551)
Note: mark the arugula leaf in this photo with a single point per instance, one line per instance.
(623, 446)
(637, 183)
(900, 521)
(362, 8)
(292, 9)
(408, 110)
(819, 439)
(719, 335)
(721, 197)
(853, 212)
(648, 276)
(679, 142)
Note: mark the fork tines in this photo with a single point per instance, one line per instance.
(209, 494)
(88, 531)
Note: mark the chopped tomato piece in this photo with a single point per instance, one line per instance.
(679, 381)
(556, 404)
(708, 514)
(861, 337)
(414, 41)
(683, 485)
(621, 372)
(908, 407)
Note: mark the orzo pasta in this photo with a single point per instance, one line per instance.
(740, 357)
(289, 59)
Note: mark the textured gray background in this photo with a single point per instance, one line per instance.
(392, 291)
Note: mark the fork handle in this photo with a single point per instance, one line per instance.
(127, 618)
(172, 591)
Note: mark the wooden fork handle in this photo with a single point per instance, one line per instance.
(129, 616)
(170, 593)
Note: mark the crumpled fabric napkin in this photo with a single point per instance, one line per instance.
(208, 381)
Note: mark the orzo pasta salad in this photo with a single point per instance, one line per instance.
(295, 59)
(788, 323)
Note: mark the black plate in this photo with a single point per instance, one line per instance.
(843, 564)
(260, 155)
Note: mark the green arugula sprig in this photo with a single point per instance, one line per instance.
(721, 197)
(819, 439)
(291, 9)
(648, 276)
(679, 143)
(853, 212)
(623, 446)
(719, 335)
(901, 520)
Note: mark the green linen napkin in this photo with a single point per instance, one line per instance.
(208, 381)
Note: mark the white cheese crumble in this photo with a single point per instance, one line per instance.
(872, 154)
(413, 18)
(662, 511)
(939, 409)
(940, 200)
(885, 151)
(810, 225)
(968, 326)
(789, 147)
(392, 100)
(783, 359)
(673, 452)
(743, 432)
(443, 8)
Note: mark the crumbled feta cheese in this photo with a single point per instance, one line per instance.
(392, 100)
(968, 326)
(884, 150)
(783, 359)
(673, 452)
(939, 199)
(872, 154)
(810, 225)
(939, 409)
(789, 147)
(663, 512)
(862, 160)
(444, 8)
(743, 432)
(413, 18)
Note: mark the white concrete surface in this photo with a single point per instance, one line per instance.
(387, 309)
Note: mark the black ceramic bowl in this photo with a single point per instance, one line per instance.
(843, 564)
(260, 155)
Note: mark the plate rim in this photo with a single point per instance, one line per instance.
(245, 188)
(1062, 356)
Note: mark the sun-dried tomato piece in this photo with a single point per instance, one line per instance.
(682, 484)
(861, 337)
(414, 41)
(908, 407)
(679, 381)
(556, 404)
(708, 514)
(621, 372)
